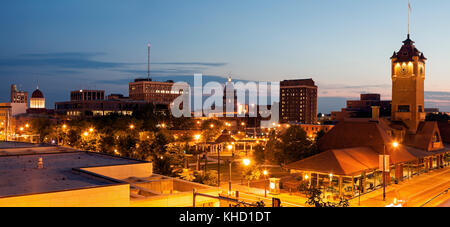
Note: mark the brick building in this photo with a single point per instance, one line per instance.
(298, 101)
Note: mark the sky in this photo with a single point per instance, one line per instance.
(345, 45)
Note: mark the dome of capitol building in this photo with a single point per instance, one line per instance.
(37, 94)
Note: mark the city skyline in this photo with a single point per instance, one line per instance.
(343, 46)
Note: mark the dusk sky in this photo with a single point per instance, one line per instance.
(343, 45)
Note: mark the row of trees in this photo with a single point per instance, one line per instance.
(142, 136)
(287, 147)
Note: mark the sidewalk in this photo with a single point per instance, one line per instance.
(414, 192)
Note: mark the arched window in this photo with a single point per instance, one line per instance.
(436, 138)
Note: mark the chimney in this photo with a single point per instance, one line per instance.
(375, 113)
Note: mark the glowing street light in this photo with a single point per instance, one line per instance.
(163, 125)
(91, 130)
(197, 137)
(85, 134)
(212, 126)
(395, 144)
(230, 147)
(246, 162)
(306, 177)
(27, 125)
(64, 126)
(132, 126)
(265, 173)
(21, 128)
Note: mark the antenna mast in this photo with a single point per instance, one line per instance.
(148, 63)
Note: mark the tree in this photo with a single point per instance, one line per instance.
(211, 129)
(294, 145)
(209, 177)
(319, 135)
(106, 144)
(259, 154)
(42, 127)
(252, 173)
(315, 200)
(126, 144)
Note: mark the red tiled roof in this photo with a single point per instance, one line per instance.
(444, 128)
(349, 134)
(344, 162)
(423, 138)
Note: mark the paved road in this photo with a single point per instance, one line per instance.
(424, 190)
(445, 204)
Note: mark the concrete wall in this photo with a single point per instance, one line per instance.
(121, 172)
(108, 196)
(163, 186)
(178, 200)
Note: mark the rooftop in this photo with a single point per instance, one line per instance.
(19, 174)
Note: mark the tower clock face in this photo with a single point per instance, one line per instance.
(404, 70)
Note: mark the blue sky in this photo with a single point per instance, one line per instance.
(343, 45)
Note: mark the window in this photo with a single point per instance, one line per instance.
(420, 109)
(436, 138)
(403, 108)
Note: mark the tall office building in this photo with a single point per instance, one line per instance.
(18, 96)
(298, 101)
(156, 92)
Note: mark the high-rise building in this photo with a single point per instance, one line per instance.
(298, 101)
(408, 77)
(156, 92)
(18, 96)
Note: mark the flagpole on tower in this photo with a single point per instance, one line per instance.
(409, 17)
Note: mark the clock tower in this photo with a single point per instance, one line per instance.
(408, 77)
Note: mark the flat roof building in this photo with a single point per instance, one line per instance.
(298, 101)
(34, 176)
(156, 92)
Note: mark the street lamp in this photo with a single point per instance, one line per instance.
(85, 134)
(265, 173)
(132, 126)
(246, 162)
(27, 125)
(91, 130)
(212, 126)
(395, 144)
